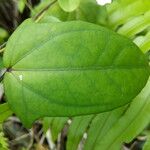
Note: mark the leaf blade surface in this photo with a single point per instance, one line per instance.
(77, 67)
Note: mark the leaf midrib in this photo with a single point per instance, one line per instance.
(82, 68)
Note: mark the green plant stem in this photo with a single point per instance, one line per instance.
(2, 47)
(38, 16)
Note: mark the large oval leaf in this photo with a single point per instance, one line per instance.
(70, 68)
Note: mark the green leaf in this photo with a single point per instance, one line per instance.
(21, 5)
(70, 68)
(101, 125)
(135, 119)
(122, 125)
(135, 25)
(54, 11)
(143, 42)
(3, 35)
(97, 14)
(147, 144)
(69, 5)
(1, 63)
(3, 142)
(123, 13)
(76, 131)
(55, 124)
(5, 112)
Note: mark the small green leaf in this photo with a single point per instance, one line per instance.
(143, 42)
(76, 131)
(1, 63)
(69, 5)
(21, 5)
(101, 125)
(5, 112)
(3, 35)
(147, 144)
(46, 123)
(3, 142)
(70, 68)
(55, 124)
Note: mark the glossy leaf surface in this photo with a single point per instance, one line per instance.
(71, 68)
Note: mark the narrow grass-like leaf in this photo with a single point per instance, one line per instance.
(123, 13)
(135, 25)
(117, 4)
(77, 130)
(54, 11)
(100, 126)
(128, 126)
(3, 35)
(55, 124)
